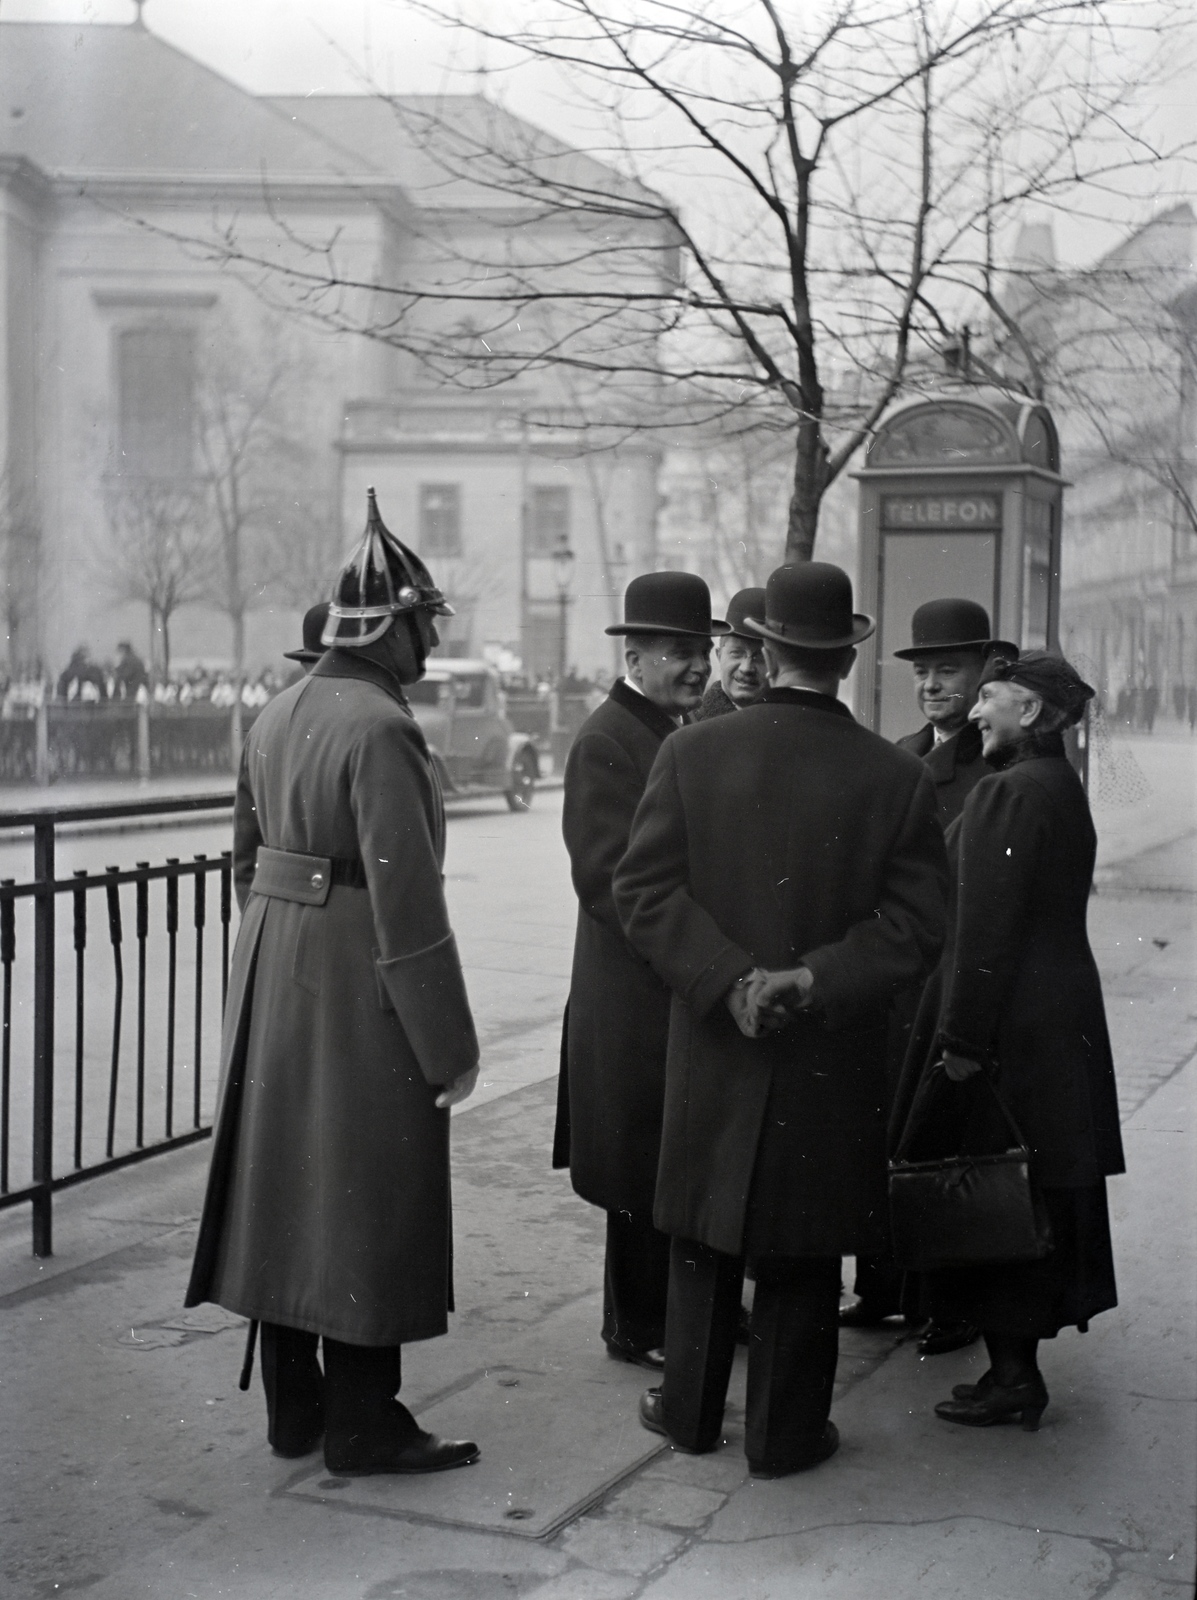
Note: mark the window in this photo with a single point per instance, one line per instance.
(548, 519)
(156, 401)
(440, 519)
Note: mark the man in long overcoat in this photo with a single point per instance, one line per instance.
(786, 840)
(617, 1022)
(950, 645)
(347, 1036)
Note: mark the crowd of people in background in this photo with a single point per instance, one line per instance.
(85, 681)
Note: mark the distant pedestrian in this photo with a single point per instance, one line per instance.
(1018, 996)
(612, 1087)
(1151, 704)
(82, 679)
(785, 872)
(347, 1038)
(1192, 703)
(129, 674)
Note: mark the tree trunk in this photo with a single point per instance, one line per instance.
(810, 484)
(237, 618)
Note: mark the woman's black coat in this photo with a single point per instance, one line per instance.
(1018, 988)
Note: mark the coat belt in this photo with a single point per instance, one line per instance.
(291, 875)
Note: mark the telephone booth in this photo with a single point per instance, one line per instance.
(960, 495)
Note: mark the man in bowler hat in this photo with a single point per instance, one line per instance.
(785, 876)
(617, 1020)
(950, 644)
(739, 660)
(315, 620)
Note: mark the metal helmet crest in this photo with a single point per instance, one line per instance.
(381, 580)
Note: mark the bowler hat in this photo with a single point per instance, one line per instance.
(314, 620)
(748, 603)
(810, 606)
(668, 602)
(952, 625)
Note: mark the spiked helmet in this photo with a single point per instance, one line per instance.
(382, 580)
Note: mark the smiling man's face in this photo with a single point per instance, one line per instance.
(945, 686)
(670, 669)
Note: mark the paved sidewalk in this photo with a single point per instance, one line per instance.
(133, 1466)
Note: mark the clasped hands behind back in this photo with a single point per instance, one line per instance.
(761, 1002)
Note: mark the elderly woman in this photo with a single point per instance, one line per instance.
(1017, 995)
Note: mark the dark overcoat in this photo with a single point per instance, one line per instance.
(328, 1198)
(617, 1023)
(1017, 987)
(784, 834)
(716, 702)
(956, 765)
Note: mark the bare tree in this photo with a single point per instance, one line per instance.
(19, 561)
(159, 550)
(266, 505)
(847, 177)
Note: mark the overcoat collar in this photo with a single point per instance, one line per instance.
(961, 749)
(336, 663)
(641, 707)
(806, 699)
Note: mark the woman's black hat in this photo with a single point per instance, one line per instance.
(810, 606)
(1054, 680)
(940, 625)
(668, 602)
(748, 603)
(314, 619)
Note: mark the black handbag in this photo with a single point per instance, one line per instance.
(966, 1210)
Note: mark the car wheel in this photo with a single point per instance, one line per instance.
(523, 783)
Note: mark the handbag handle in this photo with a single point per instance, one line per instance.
(928, 1086)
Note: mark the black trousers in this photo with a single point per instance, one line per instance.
(879, 1283)
(635, 1281)
(352, 1401)
(792, 1349)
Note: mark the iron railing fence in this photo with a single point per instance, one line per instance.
(133, 1080)
(57, 742)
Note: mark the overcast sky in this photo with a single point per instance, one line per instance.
(345, 46)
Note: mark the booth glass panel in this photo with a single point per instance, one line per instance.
(917, 567)
(1037, 576)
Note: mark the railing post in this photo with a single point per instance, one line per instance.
(143, 739)
(43, 1037)
(41, 743)
(236, 734)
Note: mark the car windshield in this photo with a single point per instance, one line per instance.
(425, 693)
(470, 693)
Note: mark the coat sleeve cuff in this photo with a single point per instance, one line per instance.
(716, 978)
(835, 998)
(428, 992)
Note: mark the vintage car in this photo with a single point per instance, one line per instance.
(460, 706)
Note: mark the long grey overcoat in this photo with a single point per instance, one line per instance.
(786, 833)
(612, 1087)
(328, 1198)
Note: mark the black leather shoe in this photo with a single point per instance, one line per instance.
(865, 1314)
(941, 1337)
(825, 1447)
(973, 1391)
(1023, 1402)
(652, 1417)
(424, 1453)
(654, 1360)
(292, 1448)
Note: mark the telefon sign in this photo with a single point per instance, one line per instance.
(941, 511)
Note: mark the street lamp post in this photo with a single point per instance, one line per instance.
(563, 572)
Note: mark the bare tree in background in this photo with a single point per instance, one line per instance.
(853, 166)
(269, 516)
(159, 550)
(19, 562)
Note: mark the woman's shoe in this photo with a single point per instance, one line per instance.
(1022, 1402)
(972, 1391)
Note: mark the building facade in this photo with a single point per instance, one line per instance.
(189, 418)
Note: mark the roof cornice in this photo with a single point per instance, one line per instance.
(25, 178)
